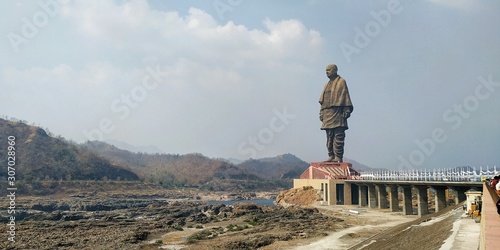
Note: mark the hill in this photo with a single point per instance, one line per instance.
(286, 166)
(361, 167)
(191, 170)
(39, 156)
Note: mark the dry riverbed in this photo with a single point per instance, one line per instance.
(180, 220)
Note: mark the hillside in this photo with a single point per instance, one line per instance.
(42, 157)
(286, 166)
(193, 170)
(361, 167)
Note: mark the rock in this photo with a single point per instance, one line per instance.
(241, 208)
(137, 236)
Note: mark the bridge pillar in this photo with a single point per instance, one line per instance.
(440, 198)
(363, 195)
(460, 194)
(393, 198)
(423, 207)
(347, 193)
(407, 203)
(372, 196)
(382, 196)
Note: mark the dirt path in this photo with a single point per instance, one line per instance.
(338, 240)
(430, 232)
(360, 224)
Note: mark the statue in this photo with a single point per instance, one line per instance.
(336, 107)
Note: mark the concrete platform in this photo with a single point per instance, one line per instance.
(465, 233)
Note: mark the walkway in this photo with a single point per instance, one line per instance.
(465, 233)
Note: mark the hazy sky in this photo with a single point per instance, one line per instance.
(241, 79)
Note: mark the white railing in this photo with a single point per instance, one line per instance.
(459, 174)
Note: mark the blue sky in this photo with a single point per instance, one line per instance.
(241, 79)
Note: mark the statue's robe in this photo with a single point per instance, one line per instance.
(335, 101)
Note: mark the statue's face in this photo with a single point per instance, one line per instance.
(331, 71)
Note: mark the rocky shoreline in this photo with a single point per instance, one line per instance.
(139, 221)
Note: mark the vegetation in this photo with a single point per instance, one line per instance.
(202, 235)
(285, 166)
(40, 157)
(44, 161)
(179, 171)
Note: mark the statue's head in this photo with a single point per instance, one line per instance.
(331, 70)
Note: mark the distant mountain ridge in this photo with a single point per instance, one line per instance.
(193, 170)
(286, 166)
(42, 157)
(132, 148)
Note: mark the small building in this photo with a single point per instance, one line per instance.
(329, 178)
(474, 201)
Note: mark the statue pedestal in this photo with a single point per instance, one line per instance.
(329, 170)
(331, 164)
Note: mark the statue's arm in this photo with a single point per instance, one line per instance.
(347, 111)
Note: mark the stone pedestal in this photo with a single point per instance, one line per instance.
(334, 170)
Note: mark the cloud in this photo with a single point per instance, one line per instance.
(216, 83)
(135, 27)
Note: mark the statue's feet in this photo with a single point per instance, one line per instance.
(337, 159)
(330, 159)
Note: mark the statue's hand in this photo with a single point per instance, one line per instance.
(346, 114)
(321, 116)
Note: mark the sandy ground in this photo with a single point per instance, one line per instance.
(366, 223)
(447, 229)
(378, 229)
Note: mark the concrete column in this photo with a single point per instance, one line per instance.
(407, 205)
(347, 193)
(332, 193)
(382, 196)
(363, 195)
(393, 198)
(440, 198)
(423, 207)
(372, 196)
(460, 194)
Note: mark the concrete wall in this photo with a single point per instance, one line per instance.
(490, 220)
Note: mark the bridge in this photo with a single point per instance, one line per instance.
(340, 184)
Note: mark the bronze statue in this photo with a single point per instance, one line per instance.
(336, 107)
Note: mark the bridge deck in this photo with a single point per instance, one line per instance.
(418, 183)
